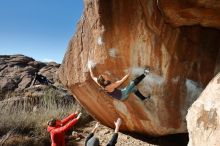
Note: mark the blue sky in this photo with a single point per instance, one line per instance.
(40, 29)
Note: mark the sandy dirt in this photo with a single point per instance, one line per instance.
(104, 134)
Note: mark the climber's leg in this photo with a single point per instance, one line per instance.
(127, 90)
(141, 77)
(132, 85)
(141, 96)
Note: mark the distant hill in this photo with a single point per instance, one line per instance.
(27, 103)
(17, 73)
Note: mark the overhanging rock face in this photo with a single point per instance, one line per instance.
(131, 34)
(191, 12)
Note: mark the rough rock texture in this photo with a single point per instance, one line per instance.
(203, 116)
(191, 12)
(17, 71)
(16, 75)
(118, 35)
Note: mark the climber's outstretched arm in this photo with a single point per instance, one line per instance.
(92, 132)
(92, 75)
(114, 138)
(119, 82)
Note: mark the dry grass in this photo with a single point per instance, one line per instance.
(33, 122)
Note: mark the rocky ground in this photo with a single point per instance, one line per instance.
(104, 134)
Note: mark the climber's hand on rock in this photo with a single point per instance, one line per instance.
(97, 125)
(118, 122)
(76, 112)
(91, 64)
(79, 115)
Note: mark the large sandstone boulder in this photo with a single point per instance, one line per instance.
(118, 35)
(191, 12)
(203, 116)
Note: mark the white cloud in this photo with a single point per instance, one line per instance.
(48, 60)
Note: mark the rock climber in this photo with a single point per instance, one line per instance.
(57, 128)
(91, 140)
(111, 88)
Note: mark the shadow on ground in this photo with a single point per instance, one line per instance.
(169, 140)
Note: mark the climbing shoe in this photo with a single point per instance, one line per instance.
(146, 71)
